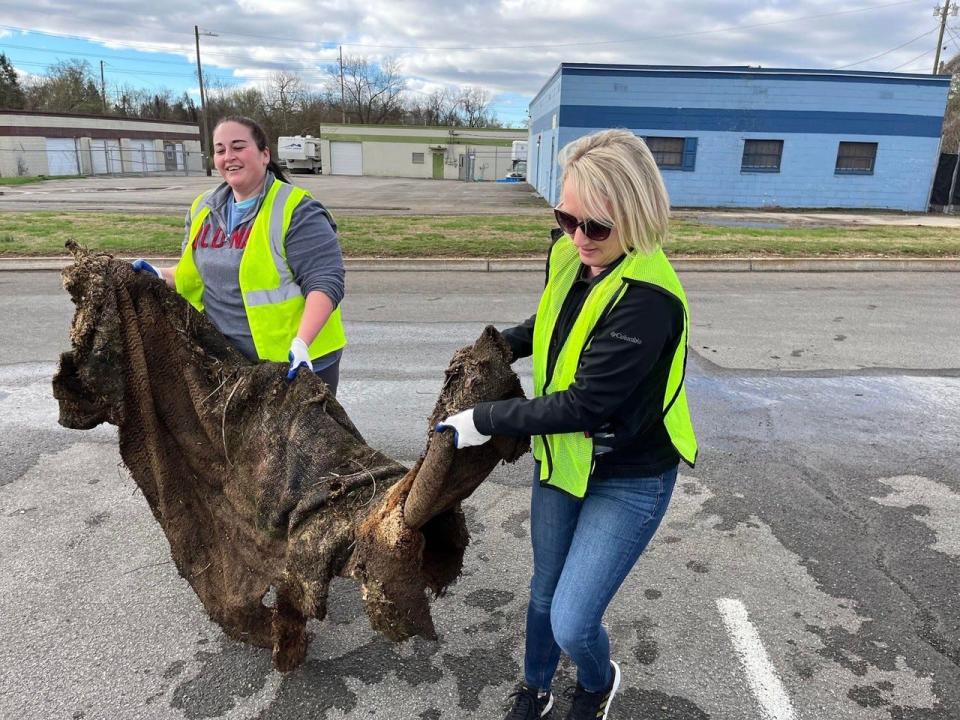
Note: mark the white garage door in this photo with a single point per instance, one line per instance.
(106, 156)
(144, 156)
(62, 156)
(346, 158)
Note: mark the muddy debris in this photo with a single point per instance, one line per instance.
(263, 487)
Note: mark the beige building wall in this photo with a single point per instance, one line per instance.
(22, 154)
(388, 150)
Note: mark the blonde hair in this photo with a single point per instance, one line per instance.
(618, 183)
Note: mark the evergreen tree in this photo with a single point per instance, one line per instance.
(11, 94)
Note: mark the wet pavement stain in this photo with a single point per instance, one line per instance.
(867, 696)
(654, 705)
(514, 524)
(652, 594)
(174, 669)
(320, 685)
(482, 668)
(237, 671)
(488, 599)
(646, 650)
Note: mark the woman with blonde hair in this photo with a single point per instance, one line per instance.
(609, 417)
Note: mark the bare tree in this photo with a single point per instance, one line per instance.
(373, 91)
(474, 103)
(284, 96)
(951, 120)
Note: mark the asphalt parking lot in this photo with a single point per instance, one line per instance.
(807, 569)
(342, 194)
(172, 194)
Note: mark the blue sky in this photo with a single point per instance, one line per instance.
(509, 47)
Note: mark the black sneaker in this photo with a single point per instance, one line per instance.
(529, 704)
(594, 706)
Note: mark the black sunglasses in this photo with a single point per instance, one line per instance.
(593, 229)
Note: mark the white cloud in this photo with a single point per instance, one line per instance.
(506, 46)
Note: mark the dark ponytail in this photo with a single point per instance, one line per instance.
(260, 138)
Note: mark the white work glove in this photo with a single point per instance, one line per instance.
(298, 356)
(465, 433)
(141, 265)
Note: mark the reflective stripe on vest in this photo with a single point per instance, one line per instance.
(271, 296)
(567, 459)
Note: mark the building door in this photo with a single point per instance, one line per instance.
(62, 156)
(169, 157)
(552, 196)
(138, 156)
(105, 156)
(438, 166)
(346, 158)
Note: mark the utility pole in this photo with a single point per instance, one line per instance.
(942, 13)
(343, 106)
(204, 139)
(103, 89)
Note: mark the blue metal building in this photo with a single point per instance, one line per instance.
(752, 137)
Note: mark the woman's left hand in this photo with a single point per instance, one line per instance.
(465, 433)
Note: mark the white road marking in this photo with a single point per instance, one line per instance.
(761, 675)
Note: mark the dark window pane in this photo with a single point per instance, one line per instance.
(856, 157)
(668, 152)
(762, 155)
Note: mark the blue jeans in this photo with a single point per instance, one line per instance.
(582, 552)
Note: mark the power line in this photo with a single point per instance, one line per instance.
(887, 52)
(913, 60)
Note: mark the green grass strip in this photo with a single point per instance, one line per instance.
(486, 236)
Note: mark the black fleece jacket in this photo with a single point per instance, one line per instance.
(617, 394)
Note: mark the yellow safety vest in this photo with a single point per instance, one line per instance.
(566, 459)
(272, 298)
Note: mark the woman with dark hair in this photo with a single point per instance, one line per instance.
(261, 258)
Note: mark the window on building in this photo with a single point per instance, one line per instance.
(761, 155)
(667, 151)
(417, 159)
(672, 153)
(856, 158)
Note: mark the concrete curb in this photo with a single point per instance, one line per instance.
(688, 264)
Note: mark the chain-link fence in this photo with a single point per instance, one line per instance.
(71, 157)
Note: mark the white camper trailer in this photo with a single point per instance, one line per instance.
(299, 152)
(518, 156)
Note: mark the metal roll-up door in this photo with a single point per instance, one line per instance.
(105, 155)
(144, 156)
(346, 158)
(62, 156)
